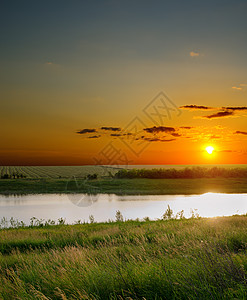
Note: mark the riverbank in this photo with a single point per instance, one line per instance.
(174, 259)
(124, 186)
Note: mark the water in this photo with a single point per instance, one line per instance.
(104, 206)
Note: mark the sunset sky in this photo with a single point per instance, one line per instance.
(123, 82)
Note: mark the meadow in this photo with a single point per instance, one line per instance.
(97, 179)
(192, 258)
(170, 258)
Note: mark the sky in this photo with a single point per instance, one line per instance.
(123, 82)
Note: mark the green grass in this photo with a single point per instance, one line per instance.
(124, 186)
(175, 259)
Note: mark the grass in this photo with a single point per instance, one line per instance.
(174, 259)
(124, 186)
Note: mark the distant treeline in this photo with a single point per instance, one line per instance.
(194, 172)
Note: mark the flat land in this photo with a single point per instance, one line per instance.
(174, 259)
(124, 186)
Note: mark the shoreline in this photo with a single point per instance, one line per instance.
(124, 186)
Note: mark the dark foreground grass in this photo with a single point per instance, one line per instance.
(175, 259)
(124, 186)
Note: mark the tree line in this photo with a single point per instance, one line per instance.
(194, 172)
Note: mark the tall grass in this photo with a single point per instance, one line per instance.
(167, 259)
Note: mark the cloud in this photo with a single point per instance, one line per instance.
(194, 54)
(226, 111)
(116, 134)
(220, 114)
(94, 136)
(111, 128)
(128, 133)
(237, 88)
(86, 130)
(186, 127)
(157, 129)
(176, 134)
(235, 108)
(157, 139)
(212, 137)
(194, 106)
(169, 140)
(240, 132)
(227, 151)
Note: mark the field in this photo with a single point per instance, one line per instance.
(56, 172)
(124, 186)
(24, 180)
(174, 259)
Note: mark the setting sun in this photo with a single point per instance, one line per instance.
(209, 149)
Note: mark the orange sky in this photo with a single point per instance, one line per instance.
(76, 67)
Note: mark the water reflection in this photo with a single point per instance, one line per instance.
(104, 206)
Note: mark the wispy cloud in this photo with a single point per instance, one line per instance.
(227, 111)
(240, 132)
(175, 134)
(194, 54)
(94, 136)
(186, 127)
(213, 137)
(157, 139)
(157, 129)
(240, 87)
(227, 151)
(220, 114)
(111, 128)
(235, 108)
(196, 107)
(86, 130)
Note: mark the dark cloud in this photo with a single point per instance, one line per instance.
(235, 108)
(241, 132)
(193, 106)
(152, 139)
(186, 127)
(157, 129)
(111, 128)
(169, 140)
(94, 136)
(220, 114)
(176, 134)
(157, 139)
(116, 134)
(86, 130)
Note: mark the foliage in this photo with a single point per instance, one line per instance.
(119, 216)
(195, 172)
(168, 214)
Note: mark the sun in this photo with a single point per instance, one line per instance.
(209, 149)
